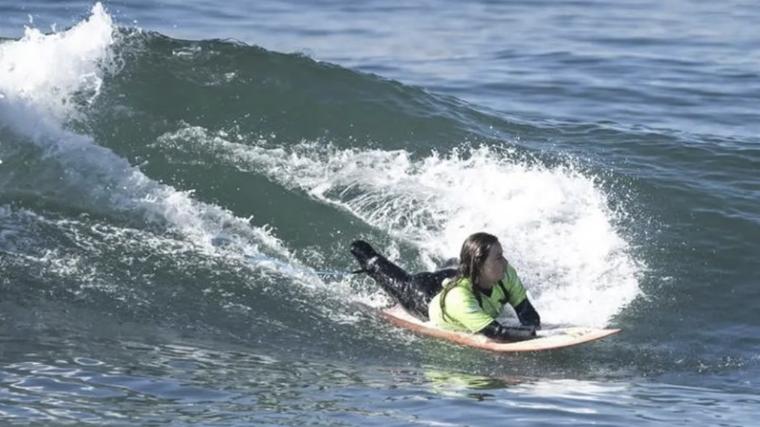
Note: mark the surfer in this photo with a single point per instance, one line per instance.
(466, 299)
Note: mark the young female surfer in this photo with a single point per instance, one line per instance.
(466, 299)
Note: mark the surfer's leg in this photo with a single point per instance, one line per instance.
(432, 283)
(393, 279)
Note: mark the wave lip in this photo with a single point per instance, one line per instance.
(45, 81)
(47, 71)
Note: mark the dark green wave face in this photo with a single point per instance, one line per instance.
(188, 205)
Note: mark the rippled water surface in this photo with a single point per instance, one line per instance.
(180, 181)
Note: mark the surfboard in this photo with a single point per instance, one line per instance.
(548, 339)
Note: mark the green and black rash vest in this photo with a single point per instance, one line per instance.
(468, 309)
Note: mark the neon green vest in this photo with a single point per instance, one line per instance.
(464, 313)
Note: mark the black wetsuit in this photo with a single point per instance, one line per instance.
(414, 292)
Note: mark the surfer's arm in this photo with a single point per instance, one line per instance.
(527, 314)
(518, 299)
(495, 330)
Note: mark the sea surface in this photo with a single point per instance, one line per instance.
(180, 182)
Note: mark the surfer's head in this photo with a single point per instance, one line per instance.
(481, 260)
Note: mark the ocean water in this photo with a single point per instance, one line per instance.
(180, 181)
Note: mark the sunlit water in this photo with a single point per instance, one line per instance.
(175, 214)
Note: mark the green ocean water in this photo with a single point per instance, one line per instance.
(175, 213)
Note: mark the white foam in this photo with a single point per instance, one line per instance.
(46, 71)
(554, 223)
(44, 81)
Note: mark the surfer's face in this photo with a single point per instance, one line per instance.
(494, 267)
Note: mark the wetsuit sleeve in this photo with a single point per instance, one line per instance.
(527, 314)
(497, 331)
(518, 299)
(515, 288)
(463, 308)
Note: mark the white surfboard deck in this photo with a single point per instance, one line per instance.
(549, 339)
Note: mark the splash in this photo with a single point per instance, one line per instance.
(47, 80)
(555, 223)
(47, 72)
